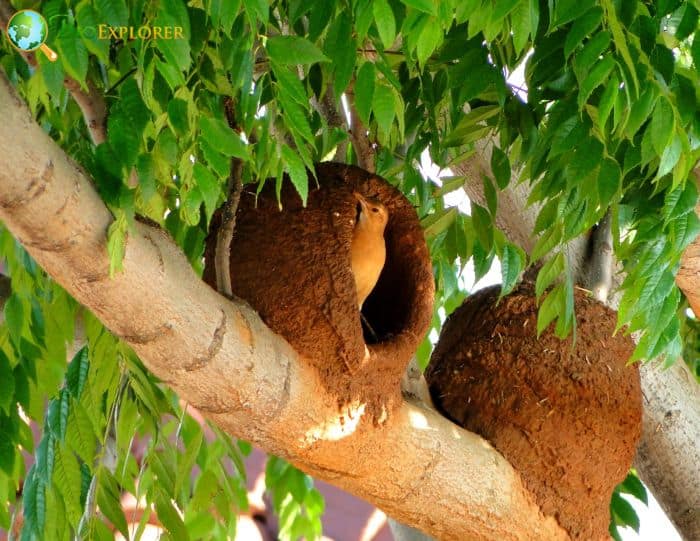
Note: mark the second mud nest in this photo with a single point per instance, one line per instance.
(567, 418)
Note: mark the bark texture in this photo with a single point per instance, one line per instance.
(220, 357)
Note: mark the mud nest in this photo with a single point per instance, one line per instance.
(293, 266)
(567, 419)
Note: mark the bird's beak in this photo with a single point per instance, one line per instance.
(361, 200)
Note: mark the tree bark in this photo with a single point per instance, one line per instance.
(219, 356)
(668, 454)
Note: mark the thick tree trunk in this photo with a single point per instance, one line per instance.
(669, 453)
(219, 356)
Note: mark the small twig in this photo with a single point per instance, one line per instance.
(369, 328)
(120, 81)
(358, 136)
(224, 236)
(91, 103)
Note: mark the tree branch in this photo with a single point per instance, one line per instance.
(91, 102)
(254, 385)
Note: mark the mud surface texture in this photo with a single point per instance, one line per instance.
(567, 420)
(294, 268)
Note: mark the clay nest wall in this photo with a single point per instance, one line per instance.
(293, 266)
(566, 416)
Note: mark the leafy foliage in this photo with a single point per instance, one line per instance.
(608, 119)
(622, 514)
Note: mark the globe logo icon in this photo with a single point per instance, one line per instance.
(27, 31)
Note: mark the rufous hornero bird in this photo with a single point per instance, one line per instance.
(368, 246)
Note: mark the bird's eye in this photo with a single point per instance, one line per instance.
(375, 209)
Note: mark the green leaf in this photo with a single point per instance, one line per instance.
(621, 42)
(426, 6)
(583, 26)
(146, 171)
(624, 512)
(297, 172)
(218, 162)
(364, 91)
(116, 243)
(67, 479)
(384, 19)
(72, 53)
(500, 167)
(123, 138)
(512, 259)
(549, 272)
(662, 124)
(383, 107)
(14, 317)
(7, 382)
(132, 106)
(292, 50)
(177, 52)
(209, 186)
(171, 74)
(596, 77)
(429, 39)
(471, 126)
(108, 500)
(632, 485)
(670, 156)
(223, 13)
(112, 12)
(502, 9)
(222, 138)
(608, 181)
(88, 27)
(77, 372)
(186, 461)
(679, 201)
(438, 222)
(52, 72)
(590, 54)
(290, 85)
(481, 219)
(490, 195)
(341, 48)
(80, 434)
(34, 503)
(551, 307)
(567, 10)
(177, 115)
(547, 241)
(170, 518)
(258, 8)
(640, 111)
(521, 25)
(607, 101)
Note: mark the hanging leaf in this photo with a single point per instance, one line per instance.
(292, 50)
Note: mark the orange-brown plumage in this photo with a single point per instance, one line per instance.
(368, 249)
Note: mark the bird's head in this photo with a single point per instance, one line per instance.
(371, 212)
